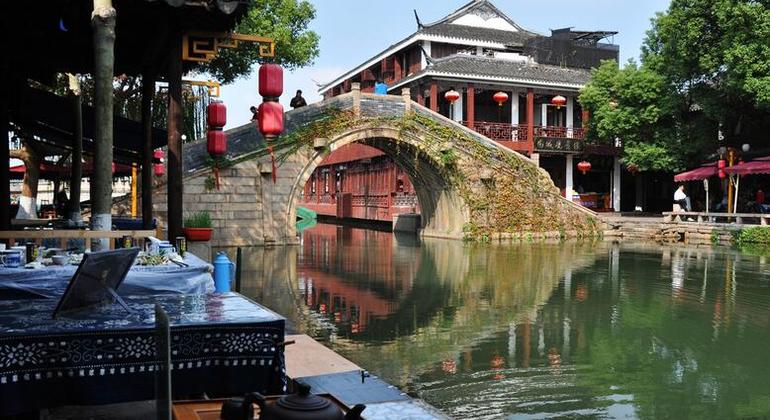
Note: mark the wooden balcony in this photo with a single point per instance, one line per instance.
(547, 138)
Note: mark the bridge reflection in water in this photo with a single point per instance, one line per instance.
(533, 330)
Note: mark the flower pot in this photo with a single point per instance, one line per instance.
(197, 234)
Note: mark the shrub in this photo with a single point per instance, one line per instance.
(752, 235)
(201, 219)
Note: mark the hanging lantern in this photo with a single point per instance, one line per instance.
(500, 98)
(216, 114)
(216, 143)
(721, 164)
(157, 162)
(451, 96)
(270, 119)
(559, 101)
(584, 166)
(270, 80)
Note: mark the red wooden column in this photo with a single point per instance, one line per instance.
(434, 96)
(420, 96)
(470, 105)
(531, 120)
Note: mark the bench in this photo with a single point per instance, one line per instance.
(711, 217)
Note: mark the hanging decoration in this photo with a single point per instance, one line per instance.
(721, 164)
(452, 96)
(584, 166)
(559, 101)
(500, 97)
(270, 112)
(216, 140)
(157, 162)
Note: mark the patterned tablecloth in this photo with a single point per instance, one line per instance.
(50, 282)
(221, 344)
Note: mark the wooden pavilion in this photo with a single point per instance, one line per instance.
(106, 38)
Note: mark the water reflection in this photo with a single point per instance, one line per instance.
(532, 331)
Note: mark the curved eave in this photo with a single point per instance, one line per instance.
(519, 81)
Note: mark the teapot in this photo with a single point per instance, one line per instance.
(300, 406)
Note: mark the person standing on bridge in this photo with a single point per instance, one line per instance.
(298, 101)
(682, 199)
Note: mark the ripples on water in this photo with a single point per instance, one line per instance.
(535, 331)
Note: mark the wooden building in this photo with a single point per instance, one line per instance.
(480, 52)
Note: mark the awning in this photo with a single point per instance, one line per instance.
(51, 172)
(755, 167)
(706, 171)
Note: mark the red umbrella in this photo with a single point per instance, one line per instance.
(704, 172)
(755, 167)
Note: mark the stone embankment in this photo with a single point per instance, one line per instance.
(656, 230)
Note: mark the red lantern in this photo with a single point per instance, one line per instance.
(157, 162)
(721, 164)
(216, 114)
(559, 101)
(584, 166)
(216, 142)
(500, 98)
(452, 96)
(270, 118)
(270, 80)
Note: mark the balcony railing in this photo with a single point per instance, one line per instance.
(518, 132)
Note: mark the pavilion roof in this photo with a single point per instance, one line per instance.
(508, 38)
(48, 37)
(502, 70)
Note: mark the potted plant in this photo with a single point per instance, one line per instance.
(197, 227)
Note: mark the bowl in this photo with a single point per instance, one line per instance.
(60, 259)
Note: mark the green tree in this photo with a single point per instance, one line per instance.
(705, 64)
(285, 21)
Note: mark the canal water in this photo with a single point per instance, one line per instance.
(591, 330)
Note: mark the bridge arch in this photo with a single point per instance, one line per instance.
(443, 210)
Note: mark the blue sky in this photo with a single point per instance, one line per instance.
(352, 31)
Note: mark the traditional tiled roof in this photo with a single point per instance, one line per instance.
(449, 30)
(488, 68)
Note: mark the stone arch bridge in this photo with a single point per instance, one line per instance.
(468, 186)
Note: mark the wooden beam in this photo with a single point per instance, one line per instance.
(148, 90)
(531, 120)
(434, 96)
(470, 105)
(175, 128)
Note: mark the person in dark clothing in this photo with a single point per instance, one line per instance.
(254, 113)
(297, 101)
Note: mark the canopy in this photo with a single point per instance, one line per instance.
(707, 170)
(50, 171)
(755, 167)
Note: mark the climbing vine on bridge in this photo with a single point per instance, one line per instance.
(505, 193)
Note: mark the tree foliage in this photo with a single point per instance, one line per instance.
(705, 64)
(285, 21)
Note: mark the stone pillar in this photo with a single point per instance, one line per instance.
(406, 95)
(457, 112)
(434, 96)
(535, 158)
(426, 47)
(470, 106)
(103, 22)
(568, 178)
(569, 109)
(355, 88)
(616, 183)
(544, 115)
(531, 120)
(515, 108)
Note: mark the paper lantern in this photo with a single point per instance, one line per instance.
(216, 142)
(584, 166)
(500, 98)
(452, 96)
(270, 80)
(721, 164)
(157, 162)
(559, 101)
(270, 121)
(216, 114)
